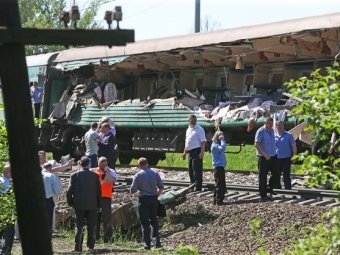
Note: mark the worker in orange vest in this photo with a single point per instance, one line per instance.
(107, 177)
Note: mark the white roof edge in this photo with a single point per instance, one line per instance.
(326, 21)
(40, 59)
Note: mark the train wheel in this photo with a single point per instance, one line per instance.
(153, 160)
(124, 158)
(57, 155)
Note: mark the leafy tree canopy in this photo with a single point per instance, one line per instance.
(320, 94)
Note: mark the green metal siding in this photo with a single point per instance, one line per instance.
(134, 115)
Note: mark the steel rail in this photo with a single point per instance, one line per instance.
(303, 193)
(172, 168)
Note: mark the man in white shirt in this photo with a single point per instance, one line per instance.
(195, 146)
(53, 188)
(92, 139)
(56, 167)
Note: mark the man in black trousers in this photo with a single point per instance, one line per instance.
(149, 185)
(195, 146)
(84, 194)
(266, 152)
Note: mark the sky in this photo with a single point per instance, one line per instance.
(162, 18)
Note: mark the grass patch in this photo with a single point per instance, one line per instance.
(63, 243)
(246, 160)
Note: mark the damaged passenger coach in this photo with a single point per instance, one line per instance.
(231, 79)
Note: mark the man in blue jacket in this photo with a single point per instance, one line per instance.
(218, 147)
(266, 152)
(285, 148)
(149, 185)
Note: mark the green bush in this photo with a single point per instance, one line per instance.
(7, 201)
(322, 239)
(255, 225)
(186, 250)
(320, 105)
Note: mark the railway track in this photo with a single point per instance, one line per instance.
(169, 168)
(245, 193)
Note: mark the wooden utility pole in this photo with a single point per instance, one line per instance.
(26, 172)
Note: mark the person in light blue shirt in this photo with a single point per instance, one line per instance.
(5, 180)
(286, 148)
(53, 188)
(266, 152)
(92, 139)
(218, 148)
(36, 93)
(149, 185)
(7, 234)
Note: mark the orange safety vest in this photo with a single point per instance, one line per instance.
(106, 187)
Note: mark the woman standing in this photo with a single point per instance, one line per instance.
(218, 147)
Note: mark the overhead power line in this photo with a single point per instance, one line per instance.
(145, 10)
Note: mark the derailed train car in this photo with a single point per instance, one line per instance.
(231, 79)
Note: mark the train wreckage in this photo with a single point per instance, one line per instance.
(229, 78)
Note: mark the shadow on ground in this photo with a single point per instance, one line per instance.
(185, 220)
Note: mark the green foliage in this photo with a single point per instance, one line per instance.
(7, 201)
(320, 94)
(38, 122)
(3, 145)
(7, 209)
(255, 225)
(186, 250)
(320, 105)
(90, 11)
(321, 239)
(324, 172)
(261, 251)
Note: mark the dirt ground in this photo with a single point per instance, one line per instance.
(233, 228)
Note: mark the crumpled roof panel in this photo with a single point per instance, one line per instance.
(294, 26)
(71, 65)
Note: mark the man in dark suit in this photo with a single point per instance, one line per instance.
(107, 145)
(84, 194)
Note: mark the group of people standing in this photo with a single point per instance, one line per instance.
(275, 148)
(195, 142)
(90, 194)
(90, 189)
(100, 142)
